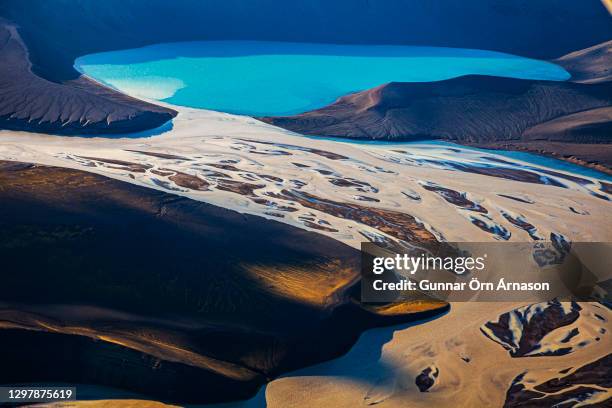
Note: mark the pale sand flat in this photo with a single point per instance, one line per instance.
(207, 138)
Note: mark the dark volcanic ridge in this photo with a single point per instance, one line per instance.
(75, 107)
(484, 111)
(469, 109)
(148, 292)
(590, 65)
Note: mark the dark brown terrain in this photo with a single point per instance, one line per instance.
(526, 333)
(79, 106)
(466, 109)
(131, 288)
(570, 120)
(565, 389)
(590, 65)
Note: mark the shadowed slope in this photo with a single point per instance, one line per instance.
(591, 65)
(177, 293)
(465, 109)
(80, 106)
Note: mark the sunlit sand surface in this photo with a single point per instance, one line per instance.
(350, 192)
(404, 193)
(383, 368)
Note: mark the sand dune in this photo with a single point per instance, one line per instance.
(387, 367)
(140, 290)
(590, 65)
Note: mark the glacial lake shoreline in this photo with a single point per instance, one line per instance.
(259, 78)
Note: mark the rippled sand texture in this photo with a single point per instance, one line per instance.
(409, 193)
(456, 360)
(351, 192)
(451, 362)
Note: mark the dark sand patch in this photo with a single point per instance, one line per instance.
(281, 296)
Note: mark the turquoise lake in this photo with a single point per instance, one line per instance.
(273, 78)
